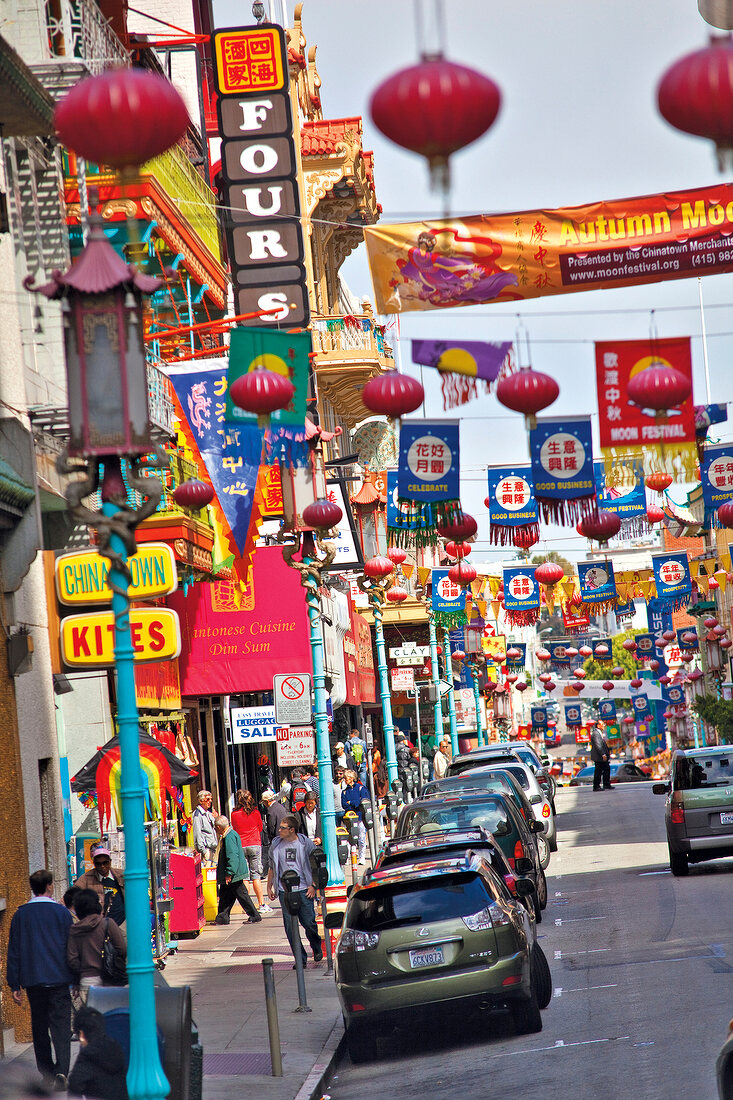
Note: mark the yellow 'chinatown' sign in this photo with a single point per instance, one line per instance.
(88, 640)
(83, 578)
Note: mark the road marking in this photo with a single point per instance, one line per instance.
(575, 920)
(647, 874)
(718, 950)
(590, 951)
(586, 988)
(560, 1043)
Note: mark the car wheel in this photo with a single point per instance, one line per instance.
(543, 849)
(526, 1015)
(542, 890)
(541, 976)
(678, 863)
(361, 1043)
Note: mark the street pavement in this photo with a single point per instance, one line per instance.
(642, 965)
(224, 969)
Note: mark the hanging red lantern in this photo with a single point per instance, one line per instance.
(669, 635)
(628, 718)
(577, 686)
(607, 685)
(601, 650)
(439, 650)
(636, 684)
(121, 118)
(725, 514)
(725, 643)
(544, 677)
(571, 652)
(695, 675)
(435, 108)
(527, 391)
(719, 631)
(457, 549)
(654, 514)
(193, 494)
(525, 537)
(579, 673)
(710, 622)
(511, 677)
(322, 515)
(713, 583)
(629, 645)
(550, 685)
(549, 573)
(378, 567)
(543, 654)
(513, 654)
(695, 94)
(686, 656)
(665, 679)
(654, 664)
(396, 555)
(462, 573)
(460, 528)
(393, 394)
(396, 594)
(520, 685)
(659, 387)
(262, 391)
(618, 672)
(457, 655)
(601, 527)
(658, 481)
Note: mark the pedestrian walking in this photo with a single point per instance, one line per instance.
(291, 852)
(600, 754)
(205, 838)
(312, 781)
(231, 871)
(99, 1070)
(351, 799)
(108, 883)
(381, 775)
(339, 786)
(247, 821)
(309, 819)
(86, 942)
(274, 813)
(36, 963)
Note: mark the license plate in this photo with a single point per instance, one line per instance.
(726, 819)
(431, 956)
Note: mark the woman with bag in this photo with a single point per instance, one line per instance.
(86, 949)
(247, 821)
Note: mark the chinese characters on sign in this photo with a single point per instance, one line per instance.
(429, 466)
(562, 468)
(672, 577)
(717, 478)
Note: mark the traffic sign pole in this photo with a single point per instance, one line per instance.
(435, 678)
(451, 694)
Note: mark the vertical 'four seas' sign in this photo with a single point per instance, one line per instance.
(259, 168)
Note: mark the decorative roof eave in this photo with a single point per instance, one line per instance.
(27, 108)
(342, 385)
(332, 152)
(368, 494)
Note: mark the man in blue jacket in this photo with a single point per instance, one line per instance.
(351, 799)
(39, 932)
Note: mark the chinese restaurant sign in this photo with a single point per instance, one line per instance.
(259, 169)
(485, 258)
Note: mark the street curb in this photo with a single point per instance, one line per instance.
(312, 1087)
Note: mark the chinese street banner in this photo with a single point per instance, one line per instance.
(641, 707)
(448, 600)
(428, 478)
(624, 611)
(573, 621)
(622, 492)
(645, 647)
(602, 658)
(561, 452)
(597, 584)
(448, 262)
(517, 664)
(673, 694)
(521, 595)
(400, 517)
(461, 364)
(282, 353)
(651, 440)
(539, 719)
(607, 710)
(573, 715)
(716, 474)
(672, 577)
(707, 415)
(494, 649)
(558, 654)
(512, 507)
(688, 647)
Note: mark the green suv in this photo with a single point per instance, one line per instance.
(424, 938)
(699, 810)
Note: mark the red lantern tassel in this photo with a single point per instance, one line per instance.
(522, 618)
(526, 535)
(566, 513)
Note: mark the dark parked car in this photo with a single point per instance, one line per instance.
(482, 779)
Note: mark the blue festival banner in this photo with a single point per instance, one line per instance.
(716, 474)
(645, 647)
(230, 452)
(517, 665)
(461, 674)
(673, 694)
(559, 653)
(642, 710)
(707, 415)
(448, 600)
(428, 479)
(539, 718)
(672, 578)
(573, 715)
(602, 650)
(561, 453)
(688, 632)
(398, 515)
(659, 620)
(521, 595)
(511, 504)
(624, 611)
(607, 710)
(624, 496)
(597, 583)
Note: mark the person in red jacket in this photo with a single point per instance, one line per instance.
(247, 821)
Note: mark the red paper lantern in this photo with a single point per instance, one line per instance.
(322, 515)
(549, 573)
(694, 675)
(601, 650)
(571, 651)
(725, 514)
(628, 718)
(577, 686)
(123, 117)
(550, 685)
(585, 651)
(378, 567)
(262, 391)
(543, 654)
(669, 635)
(527, 391)
(636, 684)
(654, 514)
(462, 573)
(513, 654)
(718, 631)
(396, 555)
(660, 387)
(725, 643)
(193, 494)
(511, 677)
(439, 650)
(457, 655)
(629, 645)
(396, 594)
(392, 394)
(695, 95)
(520, 685)
(658, 481)
(579, 673)
(607, 685)
(460, 528)
(712, 583)
(457, 549)
(710, 622)
(544, 677)
(665, 679)
(601, 527)
(654, 664)
(435, 108)
(617, 672)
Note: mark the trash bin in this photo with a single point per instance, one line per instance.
(173, 1013)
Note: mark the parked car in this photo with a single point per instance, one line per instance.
(541, 804)
(724, 1067)
(699, 809)
(522, 751)
(494, 812)
(622, 771)
(435, 940)
(540, 766)
(483, 779)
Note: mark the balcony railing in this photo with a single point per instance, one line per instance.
(77, 31)
(350, 333)
(160, 402)
(191, 194)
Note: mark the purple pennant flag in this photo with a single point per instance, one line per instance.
(461, 364)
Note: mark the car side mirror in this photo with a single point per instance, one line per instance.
(503, 828)
(334, 921)
(525, 887)
(523, 866)
(536, 827)
(661, 788)
(349, 890)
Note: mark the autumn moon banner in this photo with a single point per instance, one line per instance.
(485, 258)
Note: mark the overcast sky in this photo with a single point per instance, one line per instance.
(578, 124)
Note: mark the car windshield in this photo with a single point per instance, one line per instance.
(518, 772)
(694, 772)
(397, 904)
(419, 820)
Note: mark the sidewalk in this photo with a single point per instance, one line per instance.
(223, 967)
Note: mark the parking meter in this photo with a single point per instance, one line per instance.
(291, 883)
(366, 815)
(425, 771)
(319, 867)
(393, 807)
(398, 788)
(410, 782)
(342, 843)
(351, 821)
